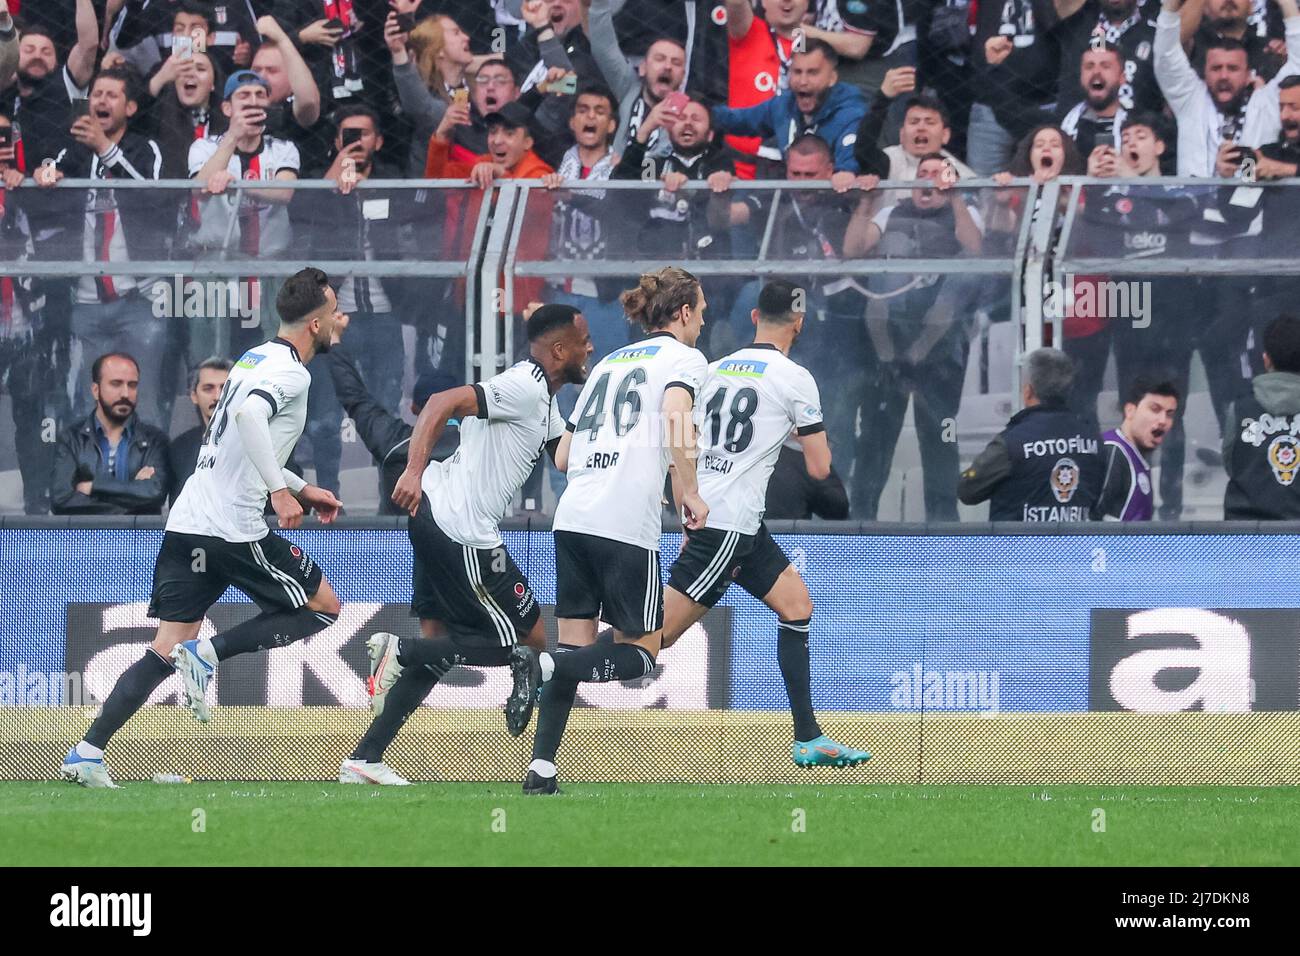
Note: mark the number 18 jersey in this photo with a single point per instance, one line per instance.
(619, 457)
(751, 401)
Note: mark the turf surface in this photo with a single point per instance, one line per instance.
(251, 824)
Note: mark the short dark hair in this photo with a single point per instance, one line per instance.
(98, 365)
(1151, 120)
(1282, 343)
(36, 30)
(817, 45)
(1228, 44)
(777, 301)
(931, 103)
(1143, 385)
(218, 363)
(302, 294)
(666, 38)
(196, 8)
(1106, 45)
(127, 76)
(356, 109)
(1289, 82)
(549, 318)
(595, 89)
(809, 143)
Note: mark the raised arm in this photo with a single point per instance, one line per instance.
(618, 73)
(740, 17)
(1178, 81)
(81, 58)
(306, 95)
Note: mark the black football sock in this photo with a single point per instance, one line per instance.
(128, 695)
(277, 629)
(602, 663)
(792, 655)
(553, 709)
(439, 655)
(403, 697)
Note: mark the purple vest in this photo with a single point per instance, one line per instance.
(1140, 504)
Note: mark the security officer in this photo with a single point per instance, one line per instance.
(1044, 466)
(1261, 446)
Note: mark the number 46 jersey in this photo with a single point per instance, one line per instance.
(618, 457)
(750, 402)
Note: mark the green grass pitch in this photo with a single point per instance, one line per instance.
(258, 824)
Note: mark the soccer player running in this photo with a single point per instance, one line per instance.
(750, 403)
(216, 535)
(631, 421)
(473, 602)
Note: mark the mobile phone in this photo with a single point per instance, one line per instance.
(568, 84)
(350, 136)
(459, 97)
(183, 47)
(676, 101)
(80, 108)
(6, 137)
(406, 22)
(334, 23)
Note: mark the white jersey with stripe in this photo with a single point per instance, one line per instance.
(470, 491)
(226, 496)
(750, 403)
(619, 455)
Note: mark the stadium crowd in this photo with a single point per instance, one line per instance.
(723, 92)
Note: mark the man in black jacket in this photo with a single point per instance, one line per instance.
(386, 436)
(111, 463)
(1261, 451)
(1044, 466)
(114, 312)
(206, 384)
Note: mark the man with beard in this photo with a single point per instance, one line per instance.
(1224, 108)
(205, 391)
(217, 537)
(1096, 121)
(1217, 117)
(40, 100)
(1203, 23)
(815, 103)
(1109, 23)
(686, 224)
(113, 311)
(1260, 450)
(926, 129)
(663, 71)
(918, 336)
(112, 463)
(474, 604)
(1126, 489)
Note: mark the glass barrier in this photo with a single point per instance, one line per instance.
(913, 326)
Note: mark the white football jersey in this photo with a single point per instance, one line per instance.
(470, 491)
(619, 455)
(226, 497)
(750, 403)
